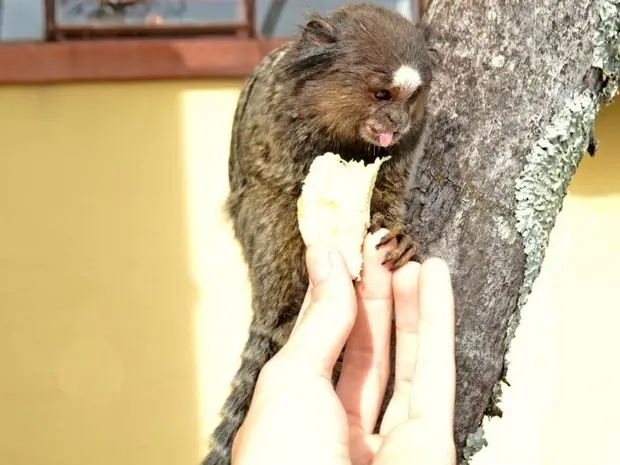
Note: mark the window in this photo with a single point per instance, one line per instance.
(194, 38)
(68, 19)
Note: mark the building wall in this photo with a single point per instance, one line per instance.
(118, 336)
(102, 275)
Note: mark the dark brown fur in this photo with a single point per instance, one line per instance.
(314, 95)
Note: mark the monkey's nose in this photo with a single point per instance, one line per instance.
(377, 128)
(397, 119)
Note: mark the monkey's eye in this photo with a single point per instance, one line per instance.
(383, 95)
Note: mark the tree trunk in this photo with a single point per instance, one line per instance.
(515, 98)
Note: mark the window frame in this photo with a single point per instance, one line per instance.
(200, 54)
(55, 30)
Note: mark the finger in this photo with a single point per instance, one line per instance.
(326, 324)
(433, 388)
(406, 309)
(365, 365)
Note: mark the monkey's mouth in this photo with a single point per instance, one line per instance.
(378, 135)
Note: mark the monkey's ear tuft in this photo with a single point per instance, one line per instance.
(426, 30)
(317, 31)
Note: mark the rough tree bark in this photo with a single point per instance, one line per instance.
(514, 104)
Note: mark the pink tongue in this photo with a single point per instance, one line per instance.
(385, 138)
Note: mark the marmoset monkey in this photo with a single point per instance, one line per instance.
(356, 83)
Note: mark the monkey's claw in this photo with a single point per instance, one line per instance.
(406, 249)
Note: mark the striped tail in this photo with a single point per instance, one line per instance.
(259, 349)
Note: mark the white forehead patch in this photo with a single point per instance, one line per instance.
(407, 77)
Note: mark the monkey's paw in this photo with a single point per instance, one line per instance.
(406, 248)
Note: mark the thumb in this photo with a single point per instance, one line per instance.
(323, 328)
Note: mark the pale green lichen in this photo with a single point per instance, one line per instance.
(549, 168)
(475, 443)
(544, 179)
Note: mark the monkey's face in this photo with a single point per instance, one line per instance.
(393, 106)
(374, 75)
(377, 108)
(364, 74)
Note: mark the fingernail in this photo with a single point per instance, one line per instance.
(321, 265)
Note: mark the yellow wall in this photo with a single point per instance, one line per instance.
(103, 274)
(113, 313)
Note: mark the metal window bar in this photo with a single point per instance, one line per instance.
(92, 29)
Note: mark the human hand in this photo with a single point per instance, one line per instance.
(296, 415)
